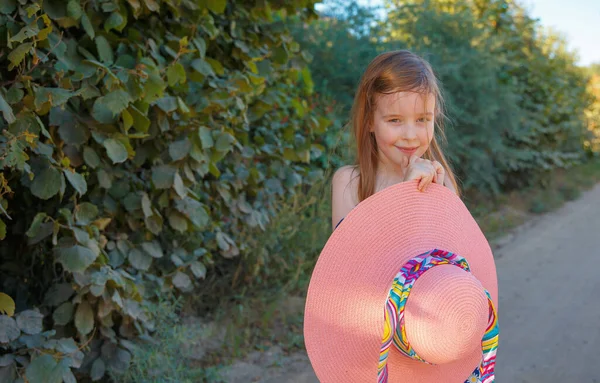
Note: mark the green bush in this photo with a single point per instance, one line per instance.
(516, 99)
(137, 138)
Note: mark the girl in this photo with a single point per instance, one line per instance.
(397, 110)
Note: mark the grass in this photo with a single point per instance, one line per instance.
(164, 357)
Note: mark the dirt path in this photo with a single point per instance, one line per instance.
(549, 305)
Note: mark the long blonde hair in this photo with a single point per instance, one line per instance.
(390, 72)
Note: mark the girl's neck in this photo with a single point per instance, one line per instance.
(386, 177)
(390, 171)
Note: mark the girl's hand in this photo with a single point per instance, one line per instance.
(425, 171)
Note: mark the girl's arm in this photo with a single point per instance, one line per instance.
(342, 200)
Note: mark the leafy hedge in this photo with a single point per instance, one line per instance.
(137, 137)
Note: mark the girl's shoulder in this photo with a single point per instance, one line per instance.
(344, 192)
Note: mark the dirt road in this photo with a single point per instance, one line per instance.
(549, 305)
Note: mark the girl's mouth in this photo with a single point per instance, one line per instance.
(408, 151)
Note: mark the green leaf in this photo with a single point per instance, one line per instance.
(84, 318)
(18, 54)
(115, 21)
(7, 305)
(56, 96)
(194, 210)
(146, 205)
(105, 52)
(203, 67)
(307, 79)
(152, 5)
(115, 150)
(9, 330)
(104, 179)
(198, 269)
(86, 213)
(32, 9)
(77, 181)
(74, 9)
(217, 6)
(118, 359)
(178, 222)
(201, 45)
(205, 137)
(73, 132)
(8, 6)
(154, 224)
(176, 74)
(2, 230)
(46, 184)
(44, 33)
(137, 7)
(90, 157)
(178, 150)
(98, 370)
(139, 260)
(127, 120)
(216, 66)
(107, 108)
(44, 369)
(179, 186)
(140, 121)
(30, 321)
(63, 314)
(68, 376)
(163, 176)
(87, 25)
(57, 294)
(6, 110)
(182, 281)
(167, 104)
(280, 55)
(66, 345)
(35, 225)
(76, 258)
(82, 236)
(153, 249)
(224, 142)
(25, 33)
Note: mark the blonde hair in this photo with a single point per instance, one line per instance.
(390, 72)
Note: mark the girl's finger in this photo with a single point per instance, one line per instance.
(412, 159)
(424, 181)
(440, 172)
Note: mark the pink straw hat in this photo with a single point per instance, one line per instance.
(405, 290)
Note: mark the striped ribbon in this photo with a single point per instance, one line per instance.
(395, 330)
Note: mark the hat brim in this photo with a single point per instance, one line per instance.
(343, 323)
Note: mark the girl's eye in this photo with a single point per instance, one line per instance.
(423, 119)
(394, 120)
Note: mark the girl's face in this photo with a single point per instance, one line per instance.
(402, 120)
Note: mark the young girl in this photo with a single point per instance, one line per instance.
(397, 111)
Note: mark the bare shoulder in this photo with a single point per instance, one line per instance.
(344, 192)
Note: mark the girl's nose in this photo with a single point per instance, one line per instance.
(409, 131)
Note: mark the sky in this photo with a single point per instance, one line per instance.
(577, 20)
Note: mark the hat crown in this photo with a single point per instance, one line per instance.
(446, 314)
